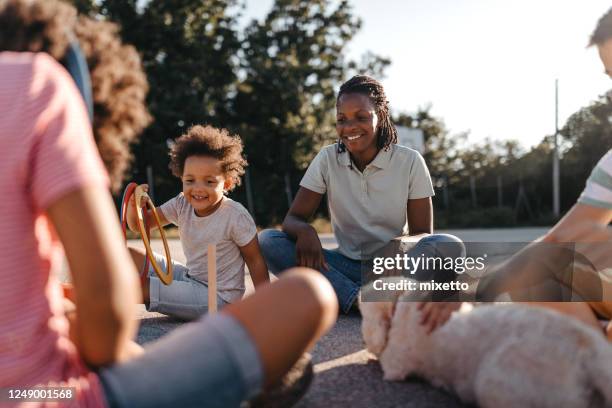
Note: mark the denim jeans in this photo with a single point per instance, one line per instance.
(186, 298)
(344, 273)
(212, 363)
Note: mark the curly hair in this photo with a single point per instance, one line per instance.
(603, 31)
(386, 133)
(209, 141)
(119, 84)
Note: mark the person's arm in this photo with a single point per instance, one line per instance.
(420, 222)
(420, 216)
(105, 280)
(609, 331)
(309, 251)
(255, 262)
(132, 218)
(571, 227)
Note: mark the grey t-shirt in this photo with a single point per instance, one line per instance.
(229, 227)
(368, 209)
(598, 190)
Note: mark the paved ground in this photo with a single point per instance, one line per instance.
(345, 373)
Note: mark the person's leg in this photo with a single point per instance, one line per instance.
(138, 257)
(344, 274)
(287, 318)
(436, 246)
(544, 272)
(186, 298)
(277, 249)
(227, 357)
(433, 246)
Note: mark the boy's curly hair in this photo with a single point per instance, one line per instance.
(119, 84)
(213, 142)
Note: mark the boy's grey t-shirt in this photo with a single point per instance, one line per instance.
(368, 209)
(229, 227)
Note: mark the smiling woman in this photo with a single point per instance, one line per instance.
(377, 191)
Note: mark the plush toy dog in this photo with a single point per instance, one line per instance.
(503, 355)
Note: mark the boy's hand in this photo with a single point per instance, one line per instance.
(70, 314)
(435, 314)
(609, 331)
(309, 252)
(143, 203)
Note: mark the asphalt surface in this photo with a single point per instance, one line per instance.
(346, 375)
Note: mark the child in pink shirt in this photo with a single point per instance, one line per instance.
(54, 190)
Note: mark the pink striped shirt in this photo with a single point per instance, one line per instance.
(47, 150)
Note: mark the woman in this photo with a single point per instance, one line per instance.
(377, 191)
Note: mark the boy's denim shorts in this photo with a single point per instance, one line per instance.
(212, 362)
(186, 298)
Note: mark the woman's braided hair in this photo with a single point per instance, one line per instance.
(386, 134)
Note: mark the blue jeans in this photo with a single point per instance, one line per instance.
(212, 363)
(344, 273)
(186, 298)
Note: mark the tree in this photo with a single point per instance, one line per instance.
(188, 49)
(291, 64)
(441, 149)
(588, 136)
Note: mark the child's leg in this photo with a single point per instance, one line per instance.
(186, 298)
(227, 357)
(139, 256)
(287, 318)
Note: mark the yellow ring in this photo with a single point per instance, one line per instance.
(140, 194)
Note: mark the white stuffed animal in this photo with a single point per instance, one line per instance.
(498, 356)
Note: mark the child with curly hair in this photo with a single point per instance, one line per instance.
(56, 167)
(209, 163)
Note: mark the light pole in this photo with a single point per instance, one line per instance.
(556, 186)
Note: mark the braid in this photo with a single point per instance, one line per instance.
(386, 134)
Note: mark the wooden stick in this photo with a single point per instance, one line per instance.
(212, 278)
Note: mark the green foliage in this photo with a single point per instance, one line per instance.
(588, 135)
(188, 49)
(293, 61)
(275, 84)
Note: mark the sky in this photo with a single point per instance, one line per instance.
(484, 66)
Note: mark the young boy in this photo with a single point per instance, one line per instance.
(209, 162)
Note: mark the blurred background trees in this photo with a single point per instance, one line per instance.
(274, 83)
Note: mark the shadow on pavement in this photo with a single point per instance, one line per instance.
(360, 384)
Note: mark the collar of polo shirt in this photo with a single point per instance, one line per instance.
(381, 160)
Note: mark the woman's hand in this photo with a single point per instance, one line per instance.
(435, 314)
(308, 250)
